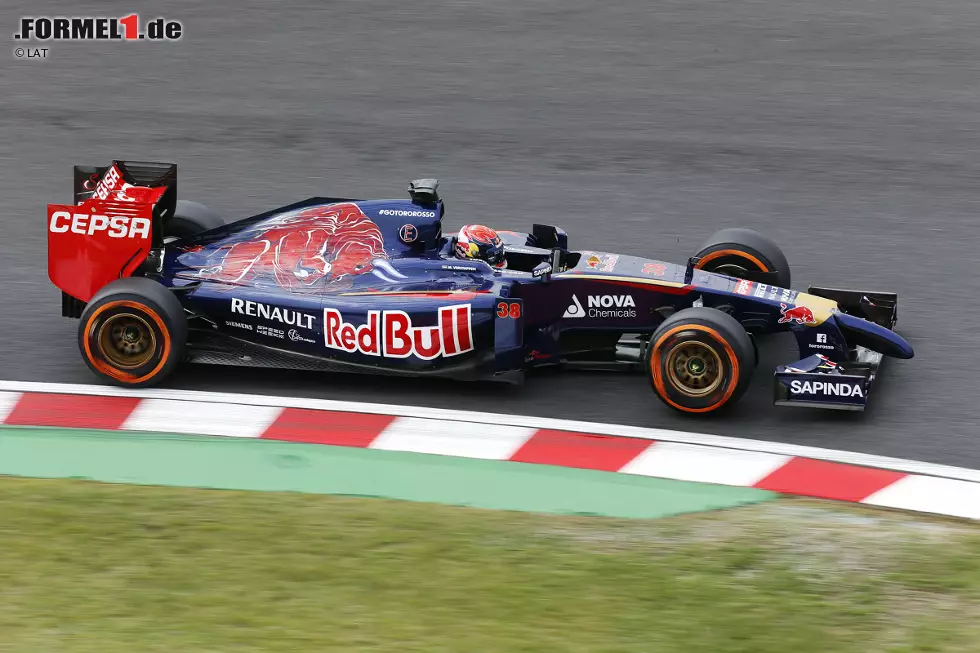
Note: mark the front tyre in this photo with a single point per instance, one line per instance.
(132, 333)
(739, 252)
(700, 360)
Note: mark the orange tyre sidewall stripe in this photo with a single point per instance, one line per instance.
(733, 252)
(111, 371)
(658, 381)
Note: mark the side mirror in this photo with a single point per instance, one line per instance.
(542, 271)
(692, 264)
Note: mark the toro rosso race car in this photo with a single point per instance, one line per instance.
(374, 286)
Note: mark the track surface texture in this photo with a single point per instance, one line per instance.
(847, 130)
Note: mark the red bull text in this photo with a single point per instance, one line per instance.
(390, 334)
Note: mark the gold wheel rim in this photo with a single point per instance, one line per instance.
(126, 341)
(694, 368)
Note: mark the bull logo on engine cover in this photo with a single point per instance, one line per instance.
(330, 243)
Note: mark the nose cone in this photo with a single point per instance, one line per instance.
(873, 336)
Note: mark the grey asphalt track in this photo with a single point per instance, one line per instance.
(847, 130)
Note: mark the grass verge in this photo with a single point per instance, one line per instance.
(112, 568)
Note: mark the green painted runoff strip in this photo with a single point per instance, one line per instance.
(247, 464)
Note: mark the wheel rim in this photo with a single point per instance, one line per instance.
(126, 341)
(694, 368)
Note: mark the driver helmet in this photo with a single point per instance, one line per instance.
(479, 242)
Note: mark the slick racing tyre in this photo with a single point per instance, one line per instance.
(133, 332)
(700, 360)
(191, 219)
(735, 252)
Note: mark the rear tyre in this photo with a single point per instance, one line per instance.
(133, 332)
(736, 252)
(700, 360)
(191, 219)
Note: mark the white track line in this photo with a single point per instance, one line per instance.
(778, 448)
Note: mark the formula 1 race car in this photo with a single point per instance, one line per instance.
(347, 285)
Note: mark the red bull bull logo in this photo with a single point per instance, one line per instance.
(329, 244)
(797, 315)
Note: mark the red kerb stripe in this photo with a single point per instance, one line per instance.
(827, 480)
(71, 411)
(569, 449)
(327, 427)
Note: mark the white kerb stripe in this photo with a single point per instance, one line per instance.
(692, 462)
(930, 494)
(201, 417)
(490, 441)
(7, 402)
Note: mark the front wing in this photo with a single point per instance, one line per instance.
(818, 381)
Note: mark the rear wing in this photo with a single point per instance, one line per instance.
(93, 182)
(116, 219)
